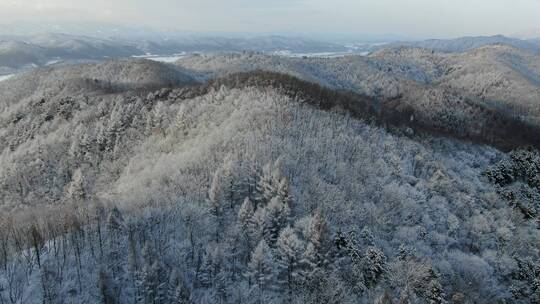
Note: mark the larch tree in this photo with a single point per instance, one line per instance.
(289, 249)
(260, 269)
(75, 189)
(272, 219)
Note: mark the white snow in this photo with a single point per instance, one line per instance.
(287, 53)
(167, 59)
(6, 77)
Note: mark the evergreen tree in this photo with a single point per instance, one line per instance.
(272, 219)
(317, 233)
(261, 267)
(115, 221)
(76, 190)
(266, 187)
(374, 266)
(215, 196)
(245, 214)
(289, 249)
(205, 273)
(284, 191)
(248, 233)
(153, 278)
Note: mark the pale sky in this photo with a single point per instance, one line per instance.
(413, 18)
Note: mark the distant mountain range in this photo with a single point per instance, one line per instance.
(19, 52)
(24, 52)
(464, 44)
(458, 93)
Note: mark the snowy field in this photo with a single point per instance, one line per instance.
(166, 59)
(5, 77)
(314, 55)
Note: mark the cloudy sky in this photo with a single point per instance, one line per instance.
(413, 18)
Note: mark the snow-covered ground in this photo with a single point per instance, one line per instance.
(287, 53)
(166, 59)
(5, 77)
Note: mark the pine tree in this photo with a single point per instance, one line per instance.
(289, 249)
(435, 293)
(215, 196)
(245, 220)
(272, 219)
(374, 266)
(261, 267)
(245, 214)
(115, 221)
(284, 192)
(153, 278)
(76, 190)
(367, 236)
(182, 122)
(310, 262)
(107, 287)
(179, 292)
(205, 273)
(266, 187)
(316, 232)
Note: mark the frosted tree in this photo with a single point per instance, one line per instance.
(289, 249)
(101, 136)
(266, 186)
(526, 280)
(115, 126)
(245, 214)
(152, 283)
(271, 219)
(310, 262)
(107, 288)
(284, 191)
(183, 121)
(80, 143)
(374, 266)
(317, 233)
(245, 220)
(216, 198)
(260, 270)
(75, 189)
(385, 298)
(205, 273)
(115, 220)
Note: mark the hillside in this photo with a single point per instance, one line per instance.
(447, 91)
(23, 52)
(75, 80)
(40, 50)
(256, 187)
(18, 54)
(464, 44)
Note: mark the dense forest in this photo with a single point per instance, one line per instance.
(253, 188)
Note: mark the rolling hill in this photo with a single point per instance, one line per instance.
(337, 180)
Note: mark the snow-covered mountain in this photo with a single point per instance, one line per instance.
(495, 77)
(251, 178)
(19, 52)
(468, 43)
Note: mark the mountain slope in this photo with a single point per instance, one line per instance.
(151, 189)
(19, 52)
(446, 89)
(74, 80)
(465, 44)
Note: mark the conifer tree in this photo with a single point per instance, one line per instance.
(289, 249)
(261, 268)
(75, 189)
(272, 219)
